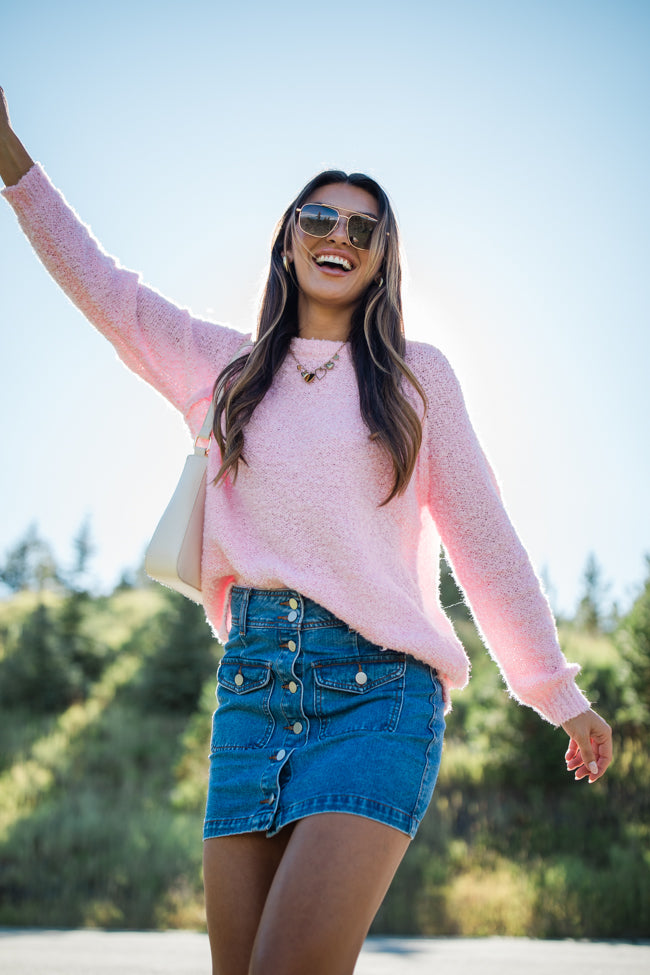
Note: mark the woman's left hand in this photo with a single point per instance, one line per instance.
(590, 749)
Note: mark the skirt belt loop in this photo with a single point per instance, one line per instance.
(243, 611)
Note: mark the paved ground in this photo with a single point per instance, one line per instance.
(29, 952)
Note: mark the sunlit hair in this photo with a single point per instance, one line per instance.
(376, 338)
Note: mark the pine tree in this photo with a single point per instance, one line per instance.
(591, 615)
(36, 672)
(30, 564)
(633, 638)
(173, 676)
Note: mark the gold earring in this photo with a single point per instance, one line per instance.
(379, 281)
(285, 261)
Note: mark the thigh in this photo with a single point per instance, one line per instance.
(237, 874)
(330, 882)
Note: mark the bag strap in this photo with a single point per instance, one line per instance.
(206, 428)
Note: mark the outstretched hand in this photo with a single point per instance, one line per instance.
(590, 748)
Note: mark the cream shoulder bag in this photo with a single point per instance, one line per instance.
(173, 556)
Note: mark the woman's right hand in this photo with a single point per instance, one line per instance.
(15, 161)
(590, 745)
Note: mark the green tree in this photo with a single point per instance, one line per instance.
(451, 597)
(173, 676)
(84, 549)
(633, 638)
(30, 564)
(87, 655)
(53, 660)
(36, 672)
(591, 615)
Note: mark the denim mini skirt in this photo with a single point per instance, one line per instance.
(314, 718)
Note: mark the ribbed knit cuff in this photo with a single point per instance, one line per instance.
(561, 703)
(26, 187)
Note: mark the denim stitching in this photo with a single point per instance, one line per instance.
(433, 740)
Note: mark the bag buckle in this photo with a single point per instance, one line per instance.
(202, 446)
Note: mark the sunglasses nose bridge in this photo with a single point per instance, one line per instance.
(341, 227)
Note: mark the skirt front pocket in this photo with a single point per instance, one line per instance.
(360, 693)
(243, 718)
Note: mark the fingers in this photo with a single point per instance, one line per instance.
(604, 752)
(582, 757)
(590, 747)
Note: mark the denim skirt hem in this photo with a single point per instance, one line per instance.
(351, 805)
(313, 718)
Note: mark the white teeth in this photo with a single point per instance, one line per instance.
(334, 259)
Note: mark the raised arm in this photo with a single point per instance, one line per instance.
(178, 354)
(15, 161)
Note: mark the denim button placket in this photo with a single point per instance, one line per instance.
(292, 723)
(290, 620)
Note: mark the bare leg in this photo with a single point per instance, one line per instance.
(237, 874)
(328, 887)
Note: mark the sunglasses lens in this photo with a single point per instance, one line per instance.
(319, 221)
(360, 231)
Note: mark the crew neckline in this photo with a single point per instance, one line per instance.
(299, 340)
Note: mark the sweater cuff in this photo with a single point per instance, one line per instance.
(27, 188)
(561, 703)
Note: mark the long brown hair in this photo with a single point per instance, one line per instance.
(376, 338)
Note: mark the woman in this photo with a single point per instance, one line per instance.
(345, 453)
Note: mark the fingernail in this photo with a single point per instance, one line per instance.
(593, 768)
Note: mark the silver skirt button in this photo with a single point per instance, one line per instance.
(361, 678)
(292, 616)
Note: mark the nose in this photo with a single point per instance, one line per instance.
(340, 231)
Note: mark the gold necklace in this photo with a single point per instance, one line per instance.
(321, 371)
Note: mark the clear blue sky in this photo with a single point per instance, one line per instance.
(514, 140)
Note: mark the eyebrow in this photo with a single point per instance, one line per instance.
(363, 213)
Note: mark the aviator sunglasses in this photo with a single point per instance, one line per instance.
(319, 220)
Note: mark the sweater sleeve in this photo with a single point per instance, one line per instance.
(179, 355)
(489, 561)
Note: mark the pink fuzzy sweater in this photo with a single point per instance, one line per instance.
(304, 513)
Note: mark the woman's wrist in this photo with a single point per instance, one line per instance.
(15, 161)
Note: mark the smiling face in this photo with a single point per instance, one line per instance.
(329, 270)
